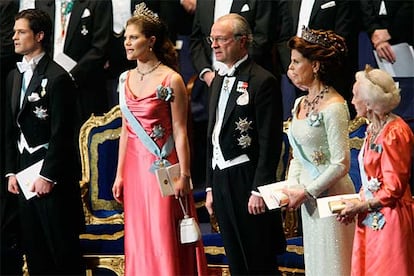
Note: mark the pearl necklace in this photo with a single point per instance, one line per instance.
(149, 71)
(376, 132)
(310, 105)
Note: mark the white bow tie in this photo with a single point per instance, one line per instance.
(229, 72)
(23, 66)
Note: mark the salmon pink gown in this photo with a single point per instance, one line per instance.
(390, 250)
(152, 244)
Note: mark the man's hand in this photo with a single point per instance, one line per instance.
(189, 5)
(385, 51)
(208, 77)
(209, 203)
(42, 187)
(256, 205)
(12, 186)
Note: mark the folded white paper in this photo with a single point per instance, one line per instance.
(273, 196)
(167, 177)
(26, 177)
(65, 61)
(404, 63)
(325, 206)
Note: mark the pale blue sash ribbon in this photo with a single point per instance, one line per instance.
(297, 149)
(375, 215)
(142, 134)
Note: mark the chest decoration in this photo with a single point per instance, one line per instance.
(34, 97)
(374, 184)
(165, 93)
(157, 132)
(244, 141)
(43, 85)
(243, 99)
(314, 119)
(318, 157)
(243, 126)
(41, 113)
(84, 30)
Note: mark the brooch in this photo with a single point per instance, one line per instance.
(165, 93)
(34, 97)
(374, 184)
(243, 125)
(244, 141)
(84, 31)
(43, 84)
(318, 157)
(157, 132)
(40, 113)
(314, 119)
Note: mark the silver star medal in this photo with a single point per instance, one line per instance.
(43, 84)
(157, 132)
(84, 31)
(244, 141)
(40, 113)
(243, 125)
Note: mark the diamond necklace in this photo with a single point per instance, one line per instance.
(149, 71)
(310, 105)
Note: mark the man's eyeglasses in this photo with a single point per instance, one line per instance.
(221, 39)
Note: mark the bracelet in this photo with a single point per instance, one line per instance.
(185, 175)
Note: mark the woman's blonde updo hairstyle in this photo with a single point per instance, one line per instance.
(378, 90)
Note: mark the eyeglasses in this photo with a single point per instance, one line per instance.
(221, 39)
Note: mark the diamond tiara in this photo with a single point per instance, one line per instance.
(317, 38)
(141, 10)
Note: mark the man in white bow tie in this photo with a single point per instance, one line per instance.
(244, 137)
(39, 127)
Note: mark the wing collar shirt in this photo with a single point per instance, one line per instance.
(218, 158)
(27, 68)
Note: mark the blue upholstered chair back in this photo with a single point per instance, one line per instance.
(357, 129)
(99, 142)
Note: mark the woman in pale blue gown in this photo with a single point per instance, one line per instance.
(318, 135)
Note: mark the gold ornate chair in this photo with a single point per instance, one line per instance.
(103, 240)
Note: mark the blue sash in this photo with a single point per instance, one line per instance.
(375, 220)
(297, 149)
(141, 133)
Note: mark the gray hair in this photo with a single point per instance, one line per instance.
(378, 89)
(240, 26)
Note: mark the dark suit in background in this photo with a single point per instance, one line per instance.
(50, 225)
(10, 262)
(87, 42)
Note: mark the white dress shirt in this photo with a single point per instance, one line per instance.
(304, 15)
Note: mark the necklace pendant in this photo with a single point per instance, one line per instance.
(142, 77)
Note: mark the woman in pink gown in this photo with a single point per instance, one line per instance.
(384, 236)
(154, 95)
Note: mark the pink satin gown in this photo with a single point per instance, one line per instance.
(390, 250)
(152, 245)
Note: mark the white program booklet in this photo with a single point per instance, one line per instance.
(65, 61)
(167, 177)
(404, 64)
(26, 177)
(273, 196)
(330, 205)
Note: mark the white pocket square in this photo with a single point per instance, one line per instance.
(245, 8)
(329, 4)
(86, 13)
